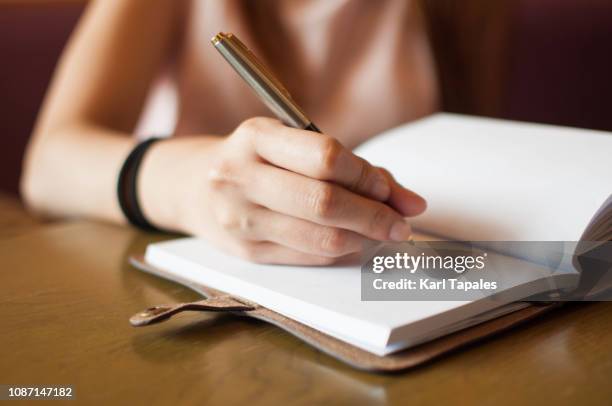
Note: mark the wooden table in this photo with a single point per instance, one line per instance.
(14, 219)
(67, 293)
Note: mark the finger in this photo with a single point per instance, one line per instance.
(323, 203)
(256, 223)
(317, 156)
(298, 234)
(271, 253)
(405, 201)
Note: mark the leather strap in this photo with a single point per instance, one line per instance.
(356, 357)
(160, 313)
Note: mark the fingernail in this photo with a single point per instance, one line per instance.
(381, 188)
(400, 231)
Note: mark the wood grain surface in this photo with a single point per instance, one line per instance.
(67, 293)
(14, 219)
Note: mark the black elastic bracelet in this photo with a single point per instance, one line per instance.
(127, 186)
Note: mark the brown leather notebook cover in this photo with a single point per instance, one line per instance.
(356, 357)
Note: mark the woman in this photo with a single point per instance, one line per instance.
(266, 192)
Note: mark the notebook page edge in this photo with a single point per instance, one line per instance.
(289, 307)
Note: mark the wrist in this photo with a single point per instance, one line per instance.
(166, 179)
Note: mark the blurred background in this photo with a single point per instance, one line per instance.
(534, 60)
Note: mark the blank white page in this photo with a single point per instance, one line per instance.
(329, 298)
(497, 180)
(484, 180)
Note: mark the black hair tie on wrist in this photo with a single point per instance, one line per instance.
(127, 186)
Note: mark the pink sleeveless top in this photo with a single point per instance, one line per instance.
(356, 67)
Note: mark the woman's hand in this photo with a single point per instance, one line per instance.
(267, 192)
(274, 194)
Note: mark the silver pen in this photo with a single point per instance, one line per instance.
(262, 81)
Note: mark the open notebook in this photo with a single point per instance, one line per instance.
(485, 180)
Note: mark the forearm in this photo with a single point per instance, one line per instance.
(73, 172)
(83, 133)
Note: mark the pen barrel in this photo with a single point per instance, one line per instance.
(263, 83)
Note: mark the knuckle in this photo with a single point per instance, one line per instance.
(236, 223)
(324, 201)
(379, 220)
(384, 172)
(250, 124)
(254, 125)
(361, 182)
(227, 220)
(334, 241)
(246, 224)
(246, 130)
(329, 150)
(221, 174)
